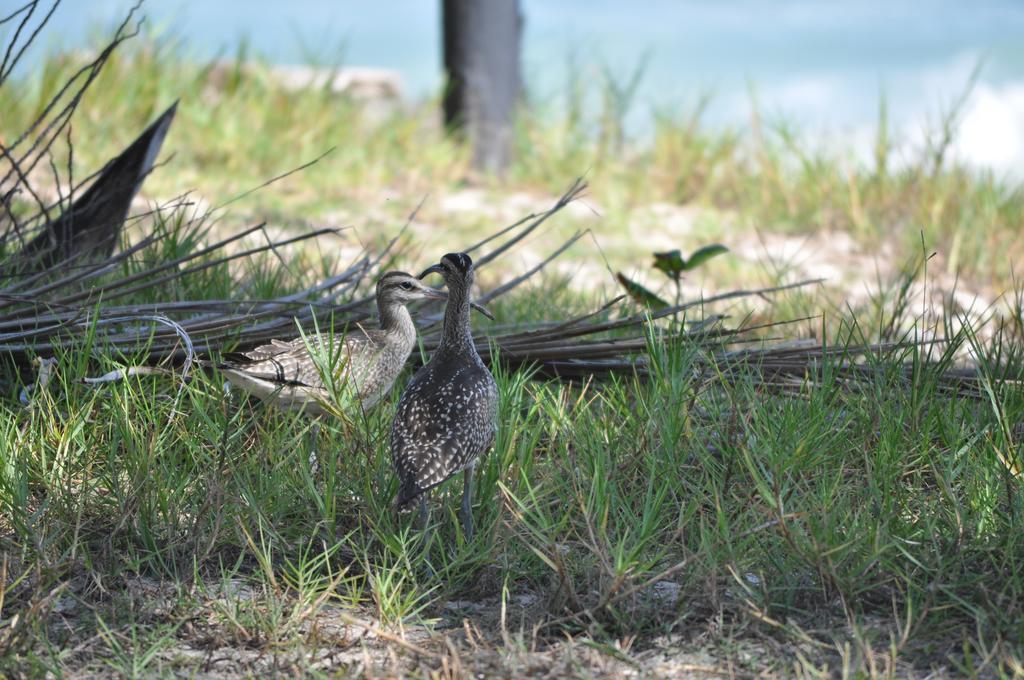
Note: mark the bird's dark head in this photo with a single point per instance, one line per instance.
(457, 270)
(402, 288)
(454, 267)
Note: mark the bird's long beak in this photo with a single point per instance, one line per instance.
(434, 294)
(432, 269)
(483, 310)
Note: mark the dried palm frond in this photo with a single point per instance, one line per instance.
(90, 226)
(38, 315)
(50, 222)
(41, 311)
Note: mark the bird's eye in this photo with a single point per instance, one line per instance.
(406, 285)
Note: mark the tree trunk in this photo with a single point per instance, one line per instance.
(481, 59)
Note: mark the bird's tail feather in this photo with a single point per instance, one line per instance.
(408, 494)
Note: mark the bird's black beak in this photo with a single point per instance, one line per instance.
(483, 310)
(435, 294)
(432, 269)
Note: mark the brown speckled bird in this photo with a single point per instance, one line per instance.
(448, 413)
(285, 373)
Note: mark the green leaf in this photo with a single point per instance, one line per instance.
(641, 294)
(702, 255)
(671, 262)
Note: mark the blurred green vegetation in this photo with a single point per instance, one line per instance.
(238, 126)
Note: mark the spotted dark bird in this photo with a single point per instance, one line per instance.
(364, 362)
(448, 413)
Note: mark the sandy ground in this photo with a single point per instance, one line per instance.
(202, 634)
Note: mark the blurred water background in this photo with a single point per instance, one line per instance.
(819, 68)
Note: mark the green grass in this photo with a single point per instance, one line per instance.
(868, 529)
(150, 528)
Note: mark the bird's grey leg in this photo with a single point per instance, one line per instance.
(467, 502)
(423, 522)
(314, 435)
(424, 519)
(424, 511)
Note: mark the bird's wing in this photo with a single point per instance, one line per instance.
(435, 434)
(422, 464)
(290, 363)
(263, 352)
